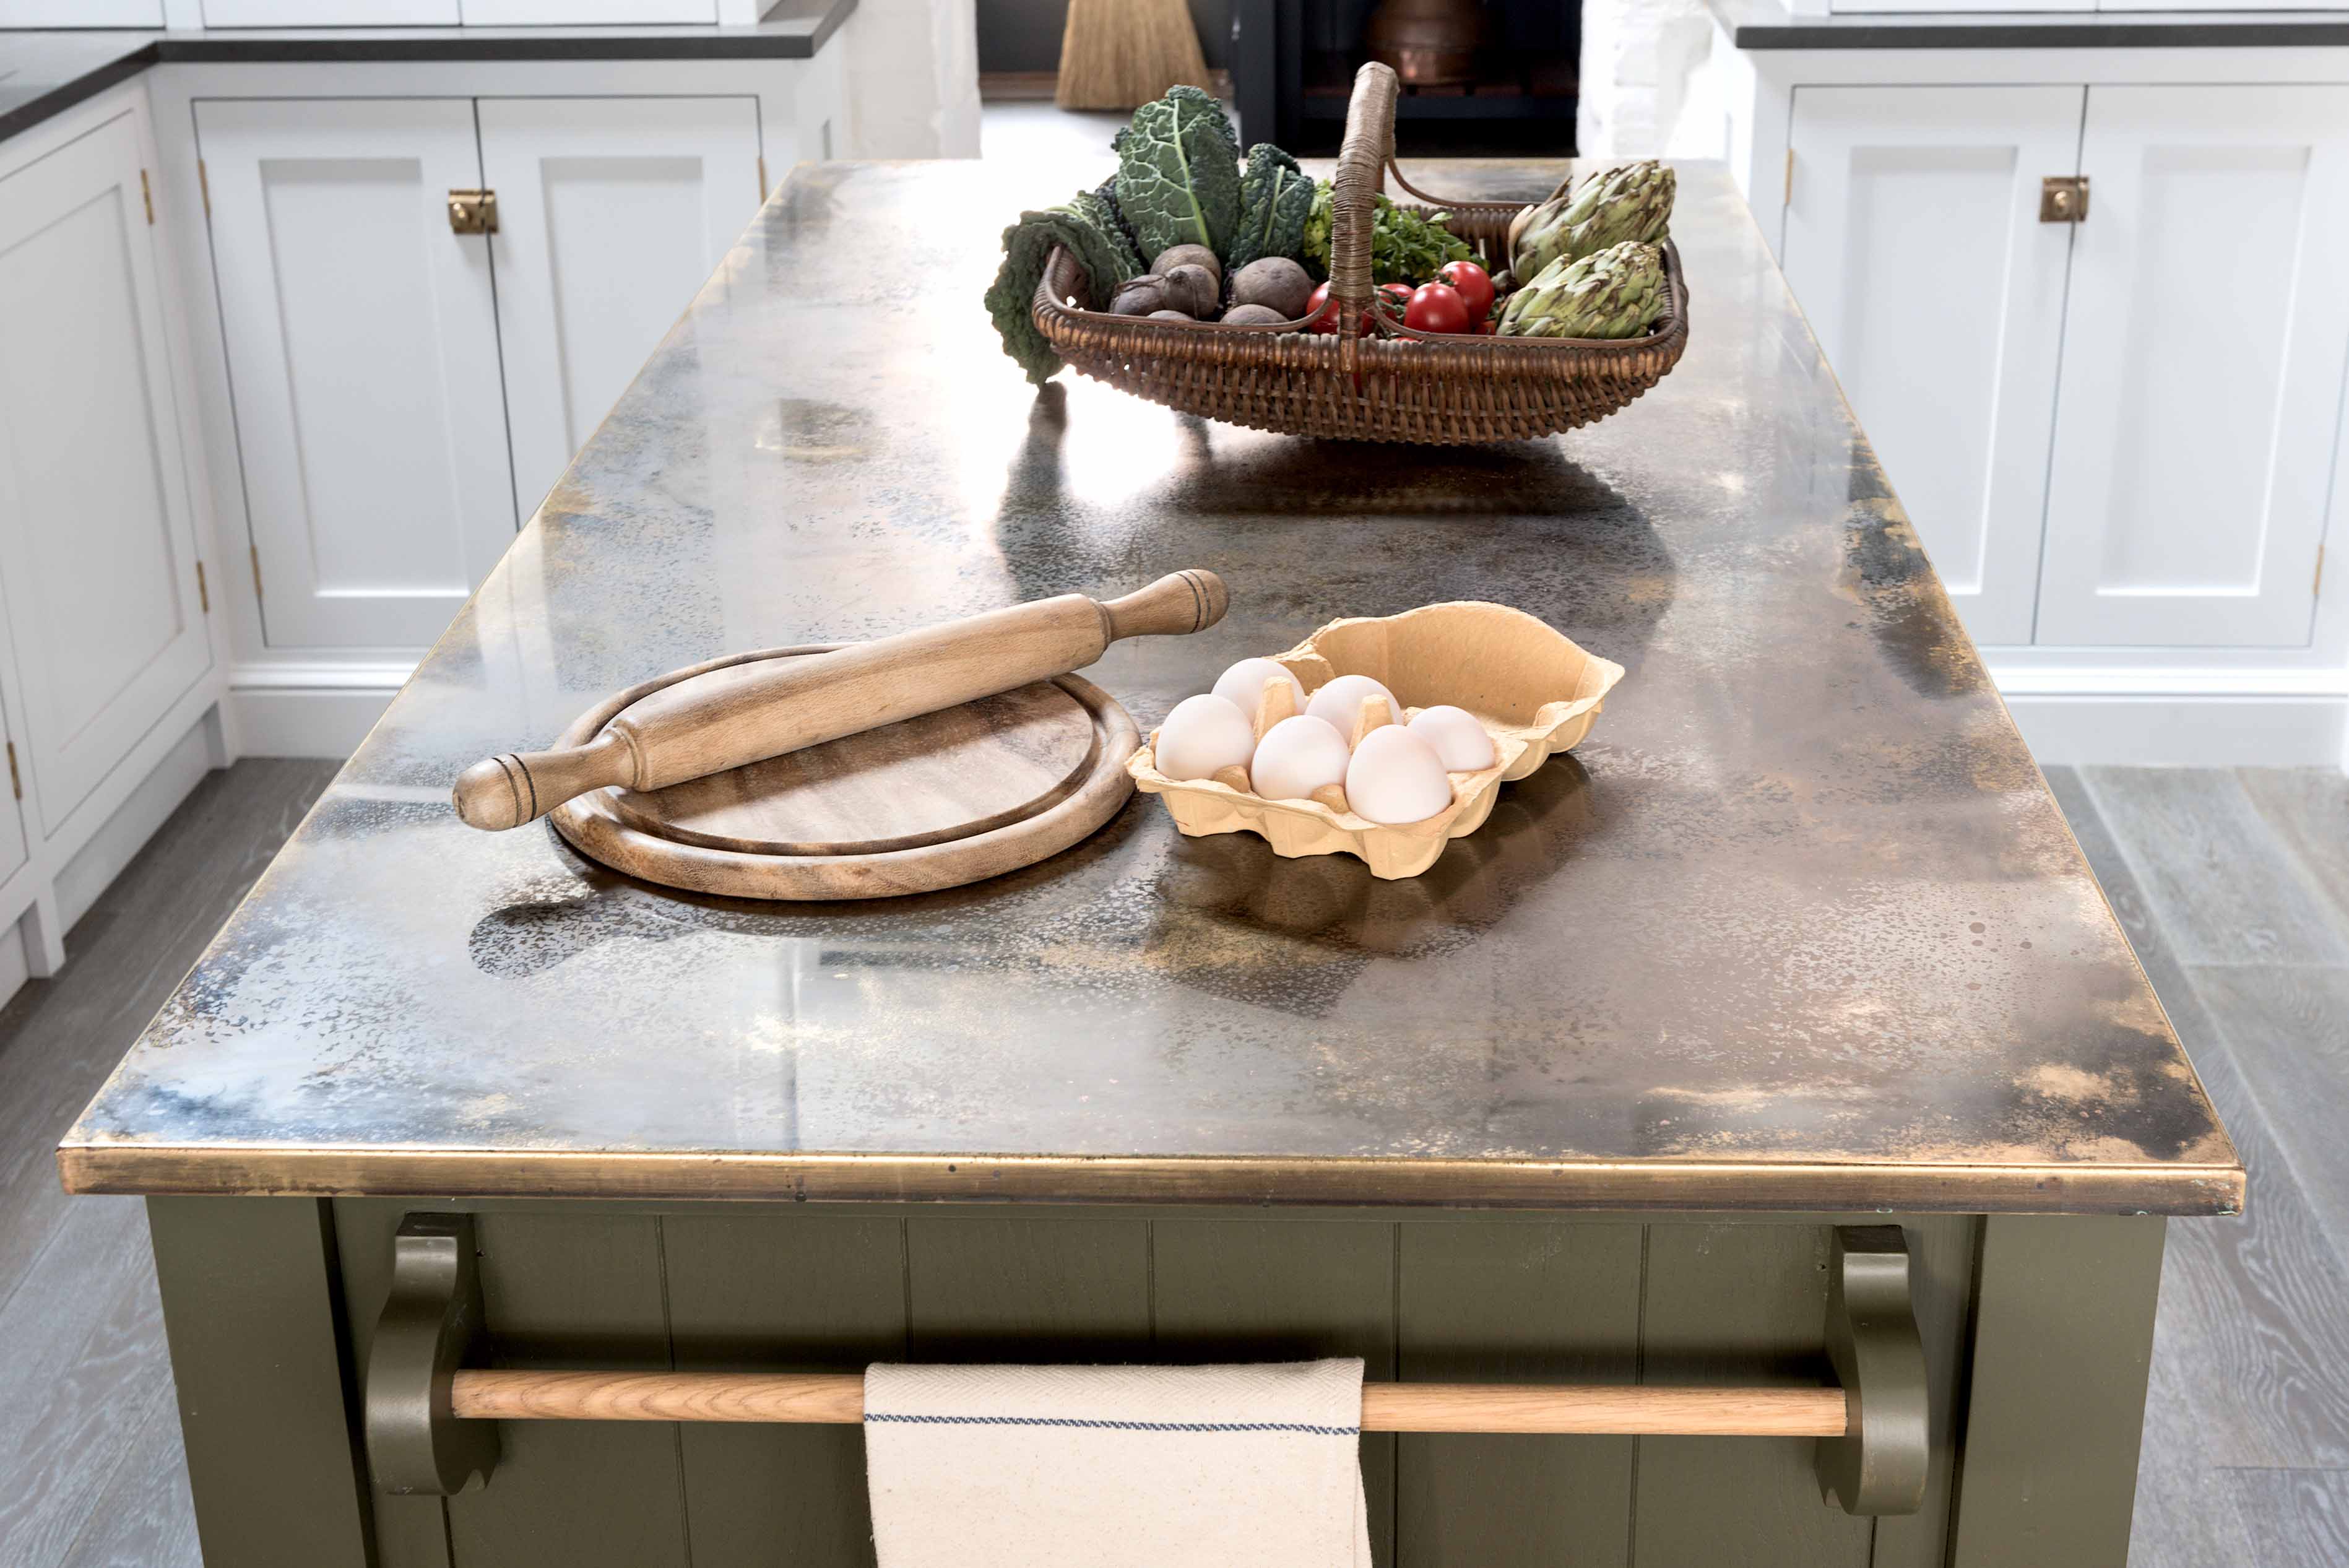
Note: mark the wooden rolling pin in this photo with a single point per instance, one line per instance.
(746, 713)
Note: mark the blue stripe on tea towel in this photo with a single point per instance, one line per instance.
(871, 1415)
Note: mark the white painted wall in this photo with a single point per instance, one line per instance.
(913, 78)
(1638, 59)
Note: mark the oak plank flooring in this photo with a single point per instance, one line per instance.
(2308, 810)
(2250, 1398)
(2226, 889)
(90, 1466)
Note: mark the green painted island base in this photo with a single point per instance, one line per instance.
(2036, 1331)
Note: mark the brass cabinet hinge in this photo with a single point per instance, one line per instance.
(473, 211)
(147, 194)
(16, 782)
(2064, 198)
(254, 551)
(204, 184)
(2316, 583)
(203, 594)
(1789, 198)
(763, 176)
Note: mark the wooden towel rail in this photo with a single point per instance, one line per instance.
(431, 1421)
(838, 1398)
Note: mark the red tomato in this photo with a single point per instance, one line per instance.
(1474, 285)
(1487, 328)
(1325, 314)
(1438, 307)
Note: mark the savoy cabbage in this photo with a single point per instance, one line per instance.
(1178, 173)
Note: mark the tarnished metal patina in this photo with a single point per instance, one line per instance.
(1798, 927)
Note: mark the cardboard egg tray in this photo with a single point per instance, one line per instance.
(1536, 692)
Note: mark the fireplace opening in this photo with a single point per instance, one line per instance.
(1480, 76)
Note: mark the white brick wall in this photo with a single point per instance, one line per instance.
(1636, 59)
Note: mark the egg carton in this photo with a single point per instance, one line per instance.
(1536, 692)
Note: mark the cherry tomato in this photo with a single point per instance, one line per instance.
(1475, 285)
(1438, 307)
(1325, 314)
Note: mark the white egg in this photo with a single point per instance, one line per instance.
(1396, 777)
(1242, 684)
(1340, 703)
(1204, 733)
(1456, 736)
(1296, 757)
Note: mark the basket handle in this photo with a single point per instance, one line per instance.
(1362, 158)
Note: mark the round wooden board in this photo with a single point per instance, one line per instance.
(934, 801)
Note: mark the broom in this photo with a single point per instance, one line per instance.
(1121, 54)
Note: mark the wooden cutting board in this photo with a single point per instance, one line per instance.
(934, 801)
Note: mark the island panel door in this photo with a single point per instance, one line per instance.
(1913, 241)
(2197, 432)
(363, 362)
(613, 213)
(97, 550)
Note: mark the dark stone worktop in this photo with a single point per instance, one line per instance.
(1798, 927)
(43, 74)
(1768, 25)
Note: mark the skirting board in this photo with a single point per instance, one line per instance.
(2182, 731)
(306, 722)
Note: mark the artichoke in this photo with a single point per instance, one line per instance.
(1633, 202)
(1618, 293)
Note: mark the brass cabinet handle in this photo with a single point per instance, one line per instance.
(2063, 198)
(473, 211)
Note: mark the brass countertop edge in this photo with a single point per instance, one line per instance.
(265, 1170)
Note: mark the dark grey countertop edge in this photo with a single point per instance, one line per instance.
(1760, 26)
(33, 112)
(796, 36)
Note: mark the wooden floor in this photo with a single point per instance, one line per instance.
(2233, 886)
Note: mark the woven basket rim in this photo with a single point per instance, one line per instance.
(1165, 337)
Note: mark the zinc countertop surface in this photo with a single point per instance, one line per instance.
(1798, 927)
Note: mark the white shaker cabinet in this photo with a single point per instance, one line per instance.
(1912, 240)
(2203, 360)
(612, 214)
(98, 554)
(361, 336)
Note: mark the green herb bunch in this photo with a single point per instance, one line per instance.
(1404, 247)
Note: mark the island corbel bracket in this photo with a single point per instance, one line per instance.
(1879, 1464)
(416, 1445)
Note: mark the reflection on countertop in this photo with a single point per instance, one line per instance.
(1798, 927)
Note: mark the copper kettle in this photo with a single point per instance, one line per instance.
(1429, 42)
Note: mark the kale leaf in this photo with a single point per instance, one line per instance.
(1178, 175)
(1274, 198)
(1088, 228)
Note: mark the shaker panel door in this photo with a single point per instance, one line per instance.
(363, 362)
(613, 213)
(1914, 243)
(2203, 358)
(98, 554)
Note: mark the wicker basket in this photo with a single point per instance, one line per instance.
(1398, 385)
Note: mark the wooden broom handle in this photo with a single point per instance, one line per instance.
(747, 712)
(838, 1399)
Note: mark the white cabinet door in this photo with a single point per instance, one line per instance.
(613, 213)
(1914, 243)
(363, 362)
(2203, 358)
(16, 846)
(98, 554)
(586, 13)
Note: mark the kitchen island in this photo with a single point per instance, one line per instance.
(1798, 939)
